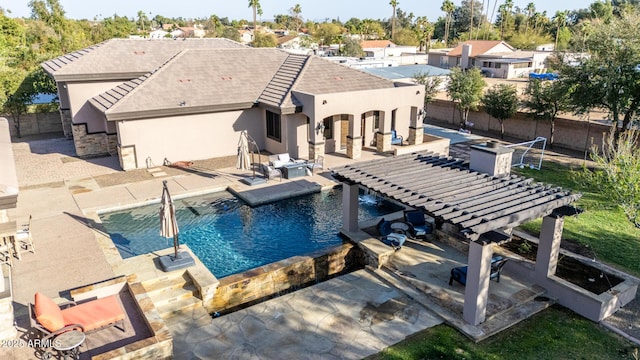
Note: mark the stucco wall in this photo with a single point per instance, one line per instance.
(190, 137)
(569, 133)
(81, 111)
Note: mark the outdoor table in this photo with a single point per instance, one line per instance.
(68, 344)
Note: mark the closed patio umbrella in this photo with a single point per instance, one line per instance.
(243, 162)
(168, 223)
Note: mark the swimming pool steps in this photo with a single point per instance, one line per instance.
(175, 297)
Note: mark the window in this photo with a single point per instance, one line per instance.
(376, 120)
(274, 126)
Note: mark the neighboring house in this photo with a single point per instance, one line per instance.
(246, 36)
(385, 49)
(496, 58)
(158, 34)
(189, 100)
(198, 31)
(406, 73)
(289, 42)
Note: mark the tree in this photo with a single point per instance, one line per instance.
(501, 102)
(448, 7)
(431, 86)
(406, 37)
(296, 10)
(424, 30)
(261, 39)
(351, 47)
(609, 78)
(618, 173)
(559, 20)
(255, 4)
(394, 4)
(327, 33)
(465, 90)
(231, 33)
(545, 100)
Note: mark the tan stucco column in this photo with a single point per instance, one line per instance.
(349, 207)
(476, 292)
(549, 246)
(354, 139)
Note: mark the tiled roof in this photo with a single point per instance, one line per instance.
(277, 91)
(322, 76)
(195, 81)
(478, 47)
(125, 58)
(447, 190)
(368, 44)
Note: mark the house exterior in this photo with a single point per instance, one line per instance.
(496, 58)
(246, 36)
(150, 100)
(385, 49)
(158, 34)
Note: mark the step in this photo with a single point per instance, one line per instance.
(513, 316)
(183, 307)
(168, 296)
(156, 286)
(196, 317)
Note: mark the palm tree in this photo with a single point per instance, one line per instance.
(394, 4)
(531, 9)
(471, 20)
(560, 20)
(255, 4)
(481, 20)
(448, 7)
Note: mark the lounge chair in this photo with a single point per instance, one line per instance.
(418, 226)
(51, 319)
(387, 235)
(459, 274)
(395, 138)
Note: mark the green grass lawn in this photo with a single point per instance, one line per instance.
(556, 333)
(602, 226)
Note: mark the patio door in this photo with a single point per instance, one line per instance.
(344, 131)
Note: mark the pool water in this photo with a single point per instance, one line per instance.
(231, 237)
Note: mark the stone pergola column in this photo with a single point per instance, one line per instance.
(416, 129)
(476, 292)
(316, 148)
(349, 207)
(383, 136)
(549, 246)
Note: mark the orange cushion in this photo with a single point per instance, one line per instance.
(48, 313)
(94, 314)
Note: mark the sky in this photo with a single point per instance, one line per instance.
(317, 10)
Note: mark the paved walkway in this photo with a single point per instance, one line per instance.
(348, 317)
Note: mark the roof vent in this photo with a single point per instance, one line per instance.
(184, 80)
(337, 78)
(138, 52)
(226, 78)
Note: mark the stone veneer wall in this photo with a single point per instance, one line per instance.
(89, 144)
(262, 283)
(67, 123)
(112, 144)
(38, 123)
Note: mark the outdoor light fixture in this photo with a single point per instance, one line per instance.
(418, 92)
(320, 128)
(324, 102)
(183, 103)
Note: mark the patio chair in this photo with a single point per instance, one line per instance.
(395, 138)
(387, 236)
(24, 240)
(53, 319)
(270, 172)
(459, 274)
(418, 226)
(318, 164)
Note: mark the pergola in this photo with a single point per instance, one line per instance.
(480, 207)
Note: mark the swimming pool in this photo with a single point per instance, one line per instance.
(231, 237)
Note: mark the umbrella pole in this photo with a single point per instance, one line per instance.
(176, 245)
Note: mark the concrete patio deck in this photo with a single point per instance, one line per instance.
(348, 317)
